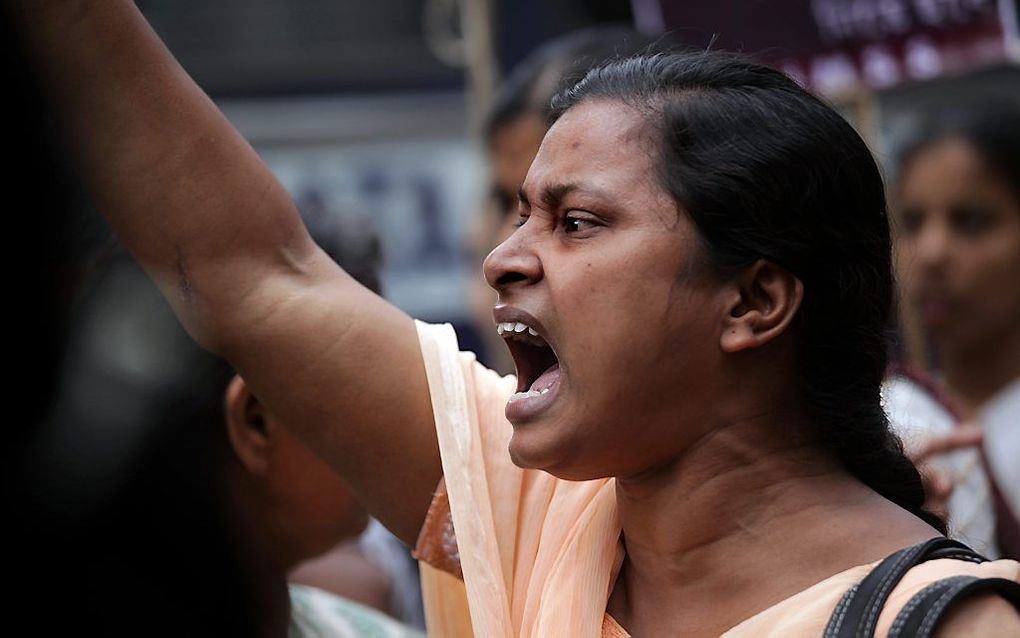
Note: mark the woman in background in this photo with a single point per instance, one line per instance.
(210, 502)
(957, 245)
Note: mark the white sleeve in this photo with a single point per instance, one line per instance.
(1000, 418)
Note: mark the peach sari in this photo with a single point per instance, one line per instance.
(535, 556)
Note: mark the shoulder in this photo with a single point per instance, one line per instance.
(969, 616)
(987, 615)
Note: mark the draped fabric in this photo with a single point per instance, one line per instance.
(508, 553)
(536, 552)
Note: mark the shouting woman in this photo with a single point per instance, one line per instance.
(694, 300)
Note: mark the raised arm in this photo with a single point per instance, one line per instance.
(220, 236)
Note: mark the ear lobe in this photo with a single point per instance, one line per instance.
(769, 297)
(247, 427)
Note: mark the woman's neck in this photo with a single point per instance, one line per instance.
(974, 374)
(750, 516)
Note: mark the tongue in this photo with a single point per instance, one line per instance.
(548, 378)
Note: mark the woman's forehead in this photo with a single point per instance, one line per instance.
(596, 123)
(596, 145)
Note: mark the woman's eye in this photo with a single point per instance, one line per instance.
(972, 220)
(573, 224)
(520, 221)
(910, 222)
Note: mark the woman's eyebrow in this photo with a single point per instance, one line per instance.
(552, 195)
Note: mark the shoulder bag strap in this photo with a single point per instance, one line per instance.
(856, 615)
(922, 614)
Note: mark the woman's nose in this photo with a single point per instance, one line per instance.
(932, 244)
(514, 262)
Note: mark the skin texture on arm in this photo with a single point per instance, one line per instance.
(208, 221)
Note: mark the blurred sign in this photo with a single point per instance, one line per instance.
(418, 196)
(244, 48)
(840, 46)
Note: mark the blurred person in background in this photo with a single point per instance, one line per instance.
(513, 131)
(99, 541)
(957, 245)
(714, 361)
(296, 508)
(213, 457)
(214, 503)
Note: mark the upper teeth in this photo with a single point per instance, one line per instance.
(511, 326)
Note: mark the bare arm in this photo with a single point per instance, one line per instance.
(209, 222)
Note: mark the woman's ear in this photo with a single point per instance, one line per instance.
(247, 427)
(767, 301)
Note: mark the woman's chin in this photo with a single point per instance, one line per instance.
(523, 455)
(532, 449)
(556, 458)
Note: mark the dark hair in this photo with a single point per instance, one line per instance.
(992, 128)
(559, 63)
(767, 171)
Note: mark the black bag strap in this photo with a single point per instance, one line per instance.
(856, 614)
(922, 614)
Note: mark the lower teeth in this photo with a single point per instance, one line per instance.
(527, 395)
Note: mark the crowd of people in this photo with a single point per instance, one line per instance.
(691, 268)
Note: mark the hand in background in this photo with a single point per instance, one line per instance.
(939, 484)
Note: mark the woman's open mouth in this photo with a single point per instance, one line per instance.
(538, 370)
